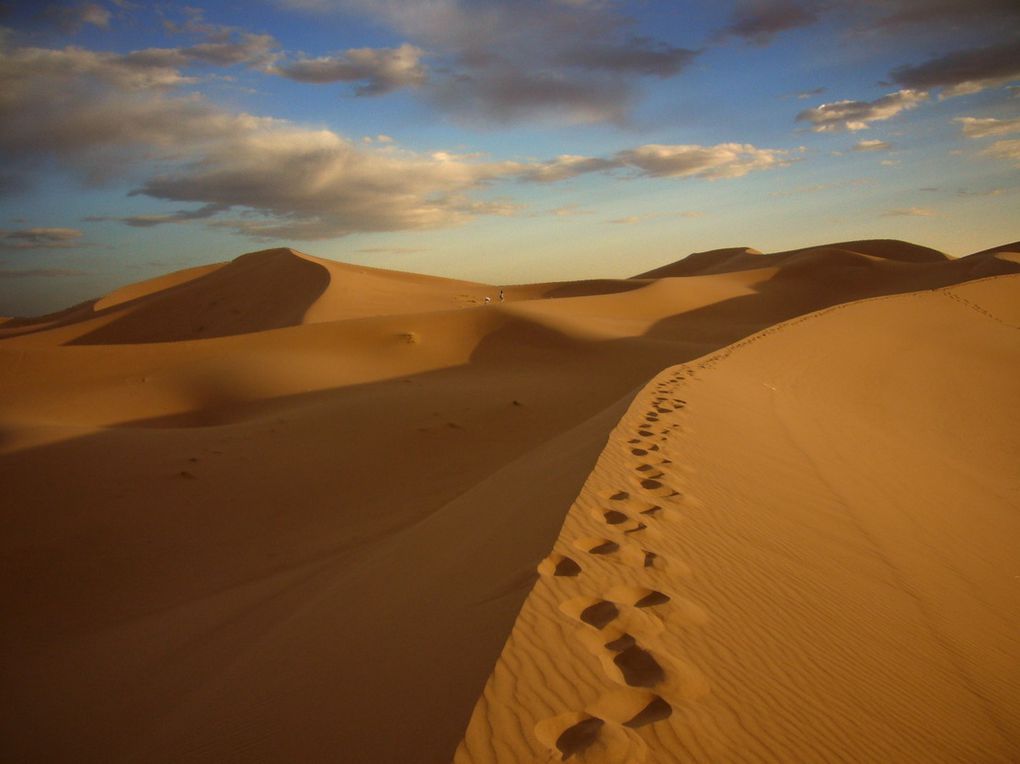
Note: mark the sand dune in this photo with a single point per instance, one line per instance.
(287, 509)
(779, 553)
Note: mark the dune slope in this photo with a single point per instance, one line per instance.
(798, 548)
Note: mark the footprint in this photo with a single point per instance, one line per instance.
(578, 737)
(637, 596)
(600, 614)
(569, 734)
(559, 565)
(614, 517)
(597, 613)
(578, 734)
(631, 707)
(596, 545)
(638, 667)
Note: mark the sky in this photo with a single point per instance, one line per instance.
(501, 141)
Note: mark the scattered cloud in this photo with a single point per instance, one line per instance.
(315, 184)
(639, 55)
(147, 221)
(71, 18)
(974, 127)
(806, 94)
(890, 162)
(40, 238)
(913, 212)
(897, 14)
(856, 115)
(871, 145)
(759, 21)
(964, 71)
(564, 167)
(724, 160)
(382, 70)
(495, 62)
(1008, 150)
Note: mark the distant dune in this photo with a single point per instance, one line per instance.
(744, 506)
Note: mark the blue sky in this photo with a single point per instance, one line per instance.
(498, 141)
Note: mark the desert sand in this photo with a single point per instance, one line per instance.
(743, 507)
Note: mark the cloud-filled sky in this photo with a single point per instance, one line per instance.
(507, 141)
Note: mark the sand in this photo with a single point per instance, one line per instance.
(286, 509)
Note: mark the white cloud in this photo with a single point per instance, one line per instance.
(1008, 150)
(871, 145)
(724, 160)
(856, 115)
(974, 127)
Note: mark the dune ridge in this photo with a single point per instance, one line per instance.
(825, 626)
(275, 538)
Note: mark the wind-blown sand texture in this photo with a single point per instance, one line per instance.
(287, 509)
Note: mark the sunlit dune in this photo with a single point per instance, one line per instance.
(743, 506)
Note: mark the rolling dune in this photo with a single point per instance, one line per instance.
(287, 509)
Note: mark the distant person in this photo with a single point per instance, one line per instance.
(501, 295)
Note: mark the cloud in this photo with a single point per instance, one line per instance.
(40, 238)
(759, 21)
(33, 273)
(305, 184)
(964, 71)
(639, 55)
(71, 18)
(805, 94)
(314, 184)
(724, 160)
(147, 221)
(564, 167)
(494, 61)
(900, 13)
(100, 113)
(855, 115)
(913, 212)
(974, 127)
(1008, 150)
(381, 69)
(871, 145)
